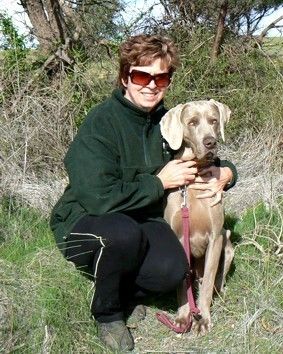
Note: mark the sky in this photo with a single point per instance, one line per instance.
(13, 9)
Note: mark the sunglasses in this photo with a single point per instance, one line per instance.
(142, 78)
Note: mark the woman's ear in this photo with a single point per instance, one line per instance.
(124, 82)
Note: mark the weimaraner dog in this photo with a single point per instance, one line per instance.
(193, 129)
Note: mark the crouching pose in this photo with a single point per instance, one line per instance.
(109, 221)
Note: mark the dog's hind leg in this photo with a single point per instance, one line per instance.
(226, 259)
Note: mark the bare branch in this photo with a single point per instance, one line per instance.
(269, 27)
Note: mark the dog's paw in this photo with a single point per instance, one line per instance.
(183, 316)
(182, 321)
(201, 324)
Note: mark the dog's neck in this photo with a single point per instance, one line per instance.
(185, 153)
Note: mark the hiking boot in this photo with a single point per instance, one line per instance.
(115, 335)
(136, 314)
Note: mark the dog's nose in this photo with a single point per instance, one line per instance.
(209, 142)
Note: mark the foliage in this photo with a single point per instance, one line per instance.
(12, 43)
(243, 16)
(93, 83)
(62, 27)
(244, 78)
(49, 112)
(100, 26)
(14, 63)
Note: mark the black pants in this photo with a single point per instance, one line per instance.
(125, 257)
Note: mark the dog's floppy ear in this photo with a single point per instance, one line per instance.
(172, 128)
(225, 113)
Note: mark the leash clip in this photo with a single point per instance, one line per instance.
(184, 194)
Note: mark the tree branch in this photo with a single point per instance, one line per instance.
(260, 38)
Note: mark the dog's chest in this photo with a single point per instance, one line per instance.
(205, 222)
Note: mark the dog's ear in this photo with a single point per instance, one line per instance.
(225, 113)
(172, 128)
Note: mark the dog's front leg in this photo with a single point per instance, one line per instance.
(183, 314)
(212, 258)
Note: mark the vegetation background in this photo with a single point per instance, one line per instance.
(49, 81)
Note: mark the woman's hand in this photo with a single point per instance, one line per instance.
(177, 173)
(213, 180)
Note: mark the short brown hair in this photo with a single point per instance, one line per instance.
(143, 50)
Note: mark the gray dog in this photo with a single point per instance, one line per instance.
(193, 129)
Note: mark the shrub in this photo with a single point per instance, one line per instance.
(244, 78)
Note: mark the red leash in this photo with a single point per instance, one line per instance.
(194, 310)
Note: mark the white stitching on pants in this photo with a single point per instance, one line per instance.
(99, 257)
(101, 249)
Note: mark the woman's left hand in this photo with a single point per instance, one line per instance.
(213, 180)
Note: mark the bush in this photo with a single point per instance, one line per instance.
(244, 78)
(41, 114)
(12, 42)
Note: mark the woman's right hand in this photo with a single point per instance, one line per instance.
(177, 173)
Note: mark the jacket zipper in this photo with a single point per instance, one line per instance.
(145, 133)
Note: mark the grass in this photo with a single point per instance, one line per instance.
(273, 46)
(45, 302)
(45, 299)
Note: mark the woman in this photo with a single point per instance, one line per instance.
(109, 219)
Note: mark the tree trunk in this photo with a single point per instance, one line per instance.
(56, 19)
(48, 22)
(220, 29)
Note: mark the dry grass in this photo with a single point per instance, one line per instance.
(259, 161)
(36, 129)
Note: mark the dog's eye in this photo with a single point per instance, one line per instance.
(213, 121)
(193, 123)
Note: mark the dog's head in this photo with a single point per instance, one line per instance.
(197, 125)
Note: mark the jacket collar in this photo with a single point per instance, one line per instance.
(119, 95)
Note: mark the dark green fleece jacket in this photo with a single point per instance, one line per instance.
(112, 164)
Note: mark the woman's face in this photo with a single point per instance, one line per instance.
(148, 96)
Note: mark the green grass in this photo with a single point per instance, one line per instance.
(46, 301)
(273, 46)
